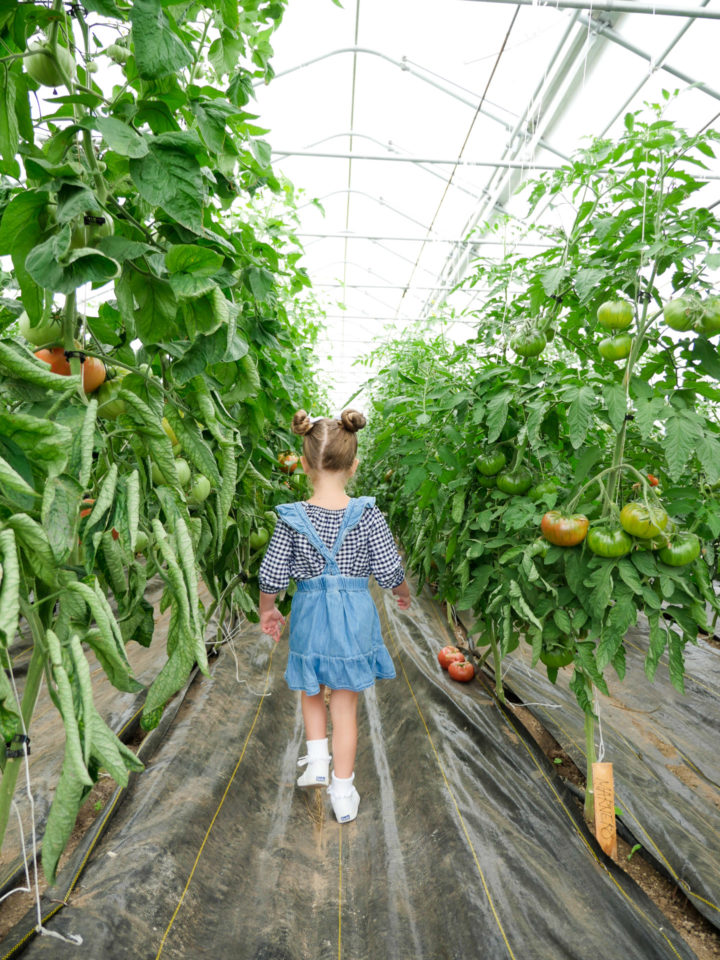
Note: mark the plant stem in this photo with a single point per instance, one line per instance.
(589, 811)
(497, 665)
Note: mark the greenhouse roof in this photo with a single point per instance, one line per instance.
(413, 122)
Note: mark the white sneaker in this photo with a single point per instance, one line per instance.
(317, 772)
(345, 807)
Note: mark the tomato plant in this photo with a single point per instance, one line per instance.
(153, 188)
(593, 427)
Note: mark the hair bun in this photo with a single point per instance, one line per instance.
(352, 420)
(301, 423)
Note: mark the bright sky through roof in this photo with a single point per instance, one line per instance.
(382, 254)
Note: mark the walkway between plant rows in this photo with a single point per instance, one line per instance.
(467, 843)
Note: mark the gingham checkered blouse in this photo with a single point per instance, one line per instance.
(368, 548)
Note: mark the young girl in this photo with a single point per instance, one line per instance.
(330, 545)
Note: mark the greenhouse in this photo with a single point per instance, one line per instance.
(359, 479)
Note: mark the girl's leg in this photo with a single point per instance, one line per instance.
(314, 715)
(343, 711)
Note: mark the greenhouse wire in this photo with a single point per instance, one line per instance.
(458, 258)
(462, 150)
(352, 127)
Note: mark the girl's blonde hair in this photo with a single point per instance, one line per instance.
(329, 444)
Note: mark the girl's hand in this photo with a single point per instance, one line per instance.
(402, 595)
(272, 623)
(404, 602)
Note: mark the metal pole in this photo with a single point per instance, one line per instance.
(390, 149)
(373, 237)
(386, 286)
(658, 63)
(406, 68)
(614, 6)
(622, 42)
(509, 164)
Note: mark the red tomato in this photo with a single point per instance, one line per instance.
(87, 510)
(57, 360)
(288, 462)
(653, 480)
(448, 655)
(462, 671)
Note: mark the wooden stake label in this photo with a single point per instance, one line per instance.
(604, 795)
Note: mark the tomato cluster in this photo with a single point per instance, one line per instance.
(453, 660)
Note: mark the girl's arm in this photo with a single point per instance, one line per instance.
(271, 620)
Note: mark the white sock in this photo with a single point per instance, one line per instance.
(317, 749)
(342, 786)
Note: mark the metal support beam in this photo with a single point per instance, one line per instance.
(614, 6)
(406, 68)
(508, 164)
(608, 32)
(385, 286)
(470, 243)
(659, 62)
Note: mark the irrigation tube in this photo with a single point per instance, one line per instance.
(613, 6)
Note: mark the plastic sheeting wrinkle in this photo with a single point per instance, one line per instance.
(397, 877)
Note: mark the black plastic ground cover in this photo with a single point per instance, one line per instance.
(665, 753)
(466, 844)
(120, 711)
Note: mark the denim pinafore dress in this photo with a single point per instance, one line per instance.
(335, 636)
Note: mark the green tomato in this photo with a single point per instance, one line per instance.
(110, 405)
(183, 471)
(491, 463)
(270, 517)
(117, 53)
(530, 344)
(45, 333)
(485, 481)
(89, 234)
(615, 348)
(259, 539)
(549, 332)
(157, 475)
(609, 542)
(615, 314)
(514, 482)
(200, 489)
(682, 313)
(681, 549)
(44, 68)
(709, 322)
(641, 521)
(557, 657)
(142, 541)
(542, 489)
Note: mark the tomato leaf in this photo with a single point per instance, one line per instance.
(582, 402)
(682, 431)
(159, 52)
(170, 178)
(616, 401)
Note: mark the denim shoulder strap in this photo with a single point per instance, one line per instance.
(296, 517)
(351, 518)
